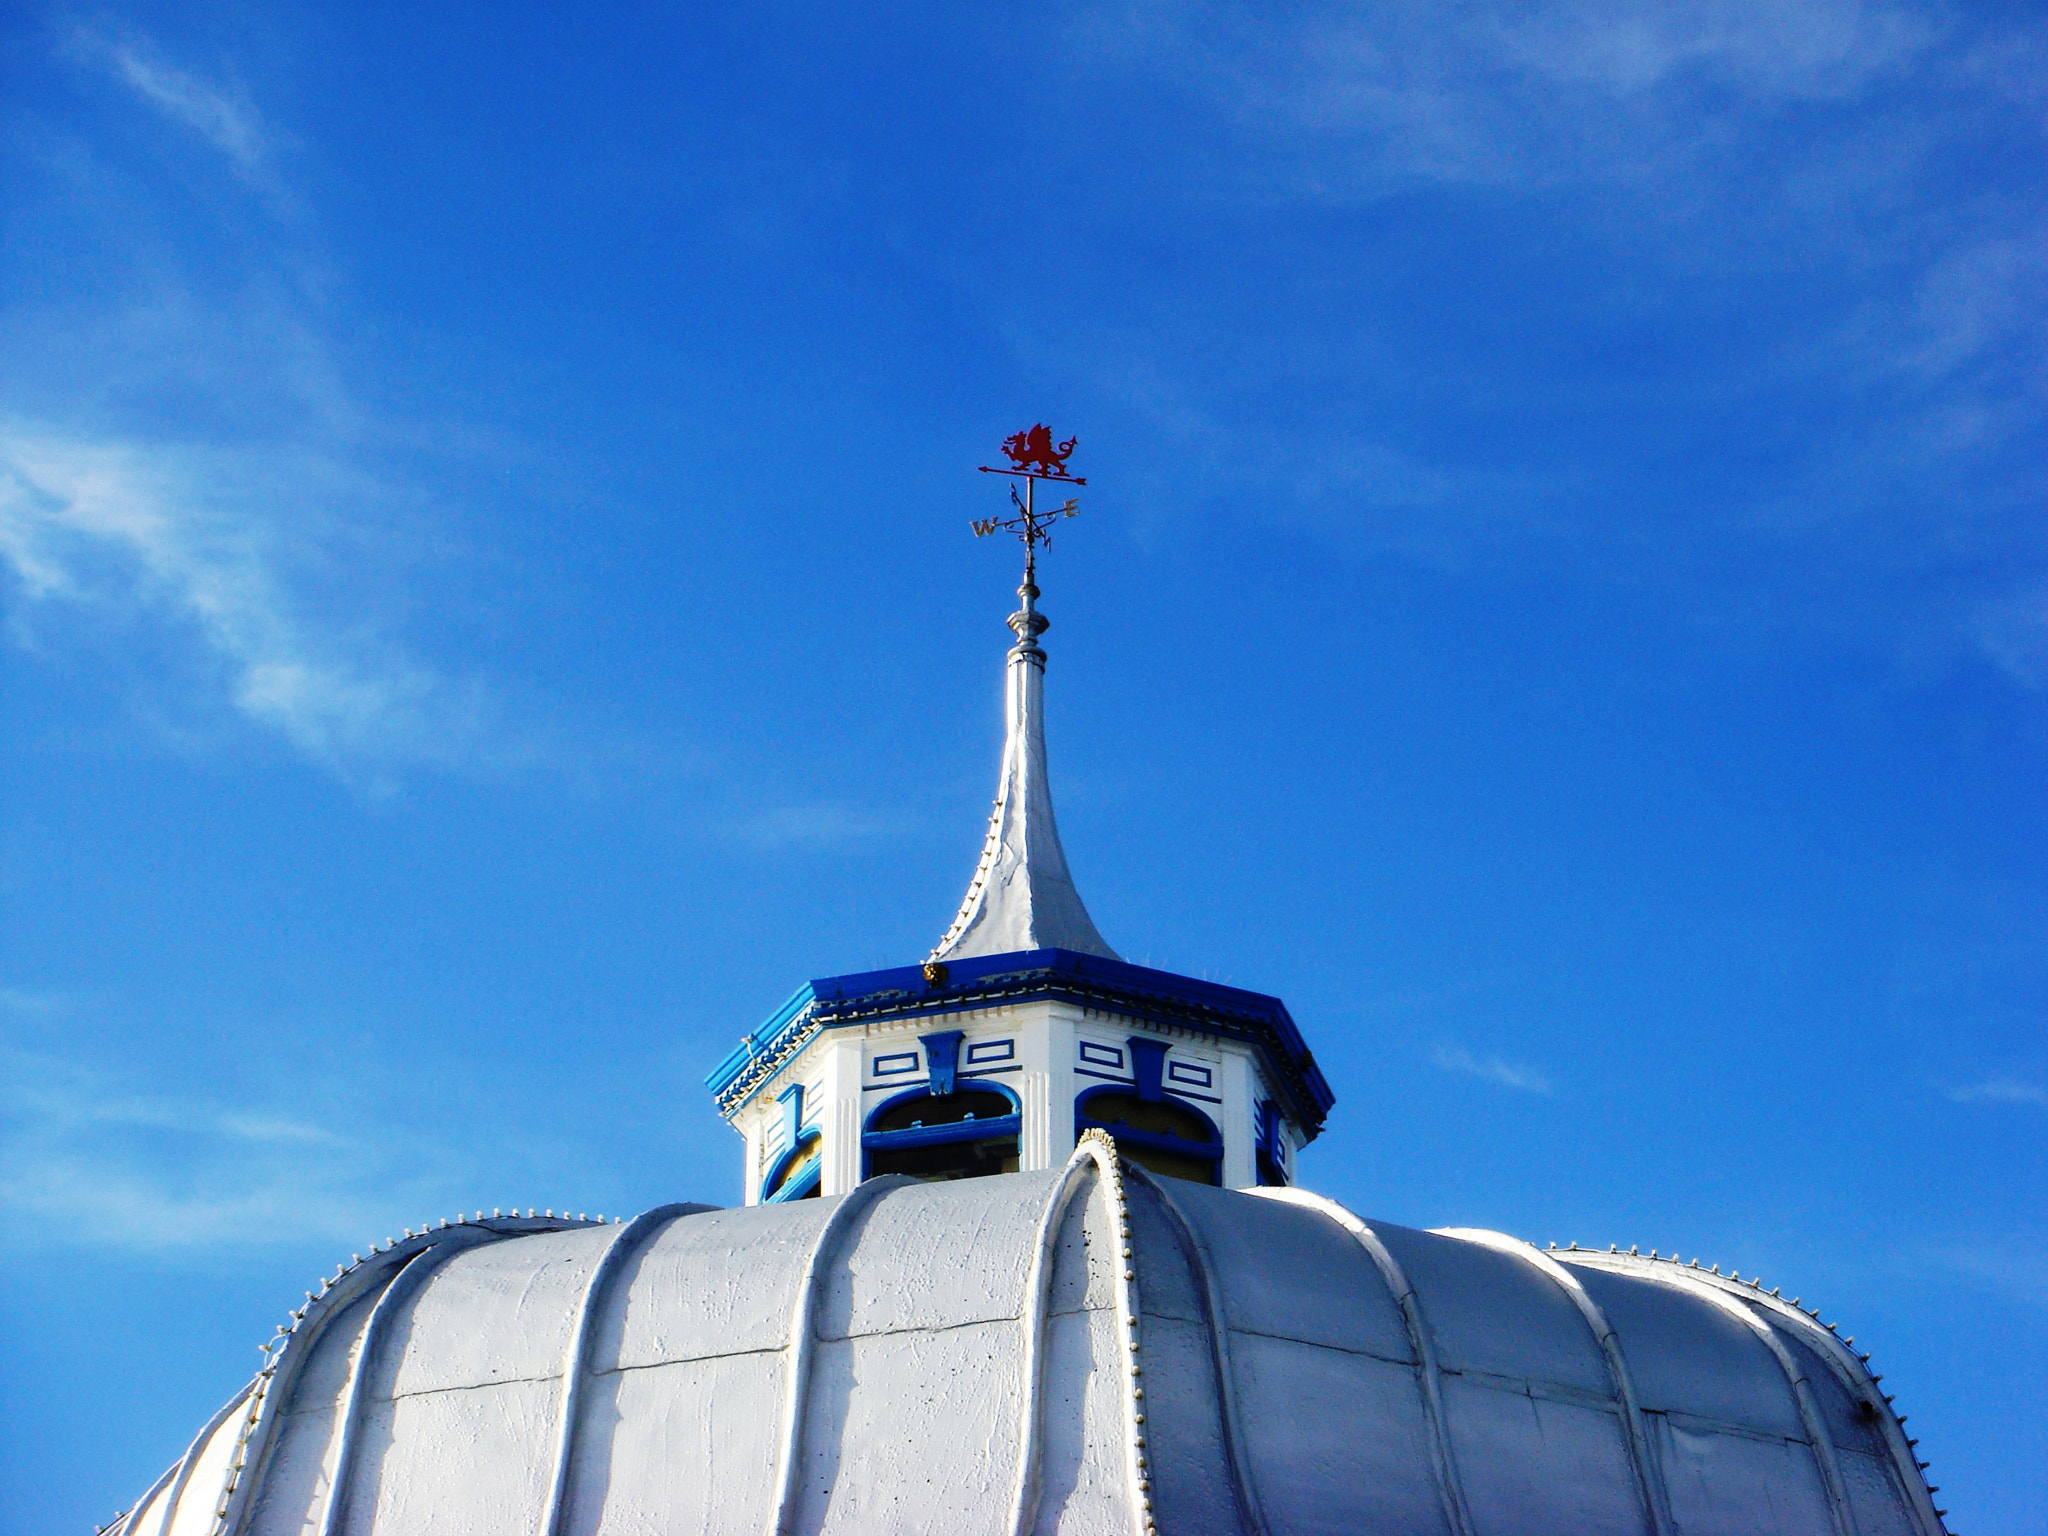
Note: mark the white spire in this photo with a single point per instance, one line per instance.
(1022, 896)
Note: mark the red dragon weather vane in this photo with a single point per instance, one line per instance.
(1033, 456)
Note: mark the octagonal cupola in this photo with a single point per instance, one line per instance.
(1022, 1028)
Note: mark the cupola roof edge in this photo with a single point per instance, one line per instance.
(1116, 986)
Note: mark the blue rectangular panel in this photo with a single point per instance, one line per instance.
(1101, 1055)
(889, 1066)
(991, 1050)
(1185, 1072)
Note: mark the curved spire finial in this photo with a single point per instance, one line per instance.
(1022, 895)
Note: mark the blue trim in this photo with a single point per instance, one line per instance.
(942, 1057)
(965, 1077)
(1011, 1124)
(1138, 992)
(792, 1101)
(800, 1186)
(1211, 1150)
(1148, 1066)
(1269, 1151)
(762, 1041)
(1016, 1105)
(952, 1130)
(804, 1181)
(1104, 1077)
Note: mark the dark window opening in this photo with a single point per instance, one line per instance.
(1163, 1136)
(965, 1135)
(947, 1159)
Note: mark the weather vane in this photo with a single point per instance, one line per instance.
(1033, 456)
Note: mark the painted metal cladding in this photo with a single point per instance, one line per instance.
(1080, 1350)
(1114, 986)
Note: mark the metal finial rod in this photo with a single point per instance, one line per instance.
(1022, 895)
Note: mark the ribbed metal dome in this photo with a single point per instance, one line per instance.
(1079, 1350)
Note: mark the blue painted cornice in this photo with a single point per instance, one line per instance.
(1093, 981)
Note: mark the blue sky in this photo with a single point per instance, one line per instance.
(1562, 598)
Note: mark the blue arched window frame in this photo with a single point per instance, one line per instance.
(1148, 1071)
(804, 1182)
(934, 1135)
(1210, 1151)
(796, 1138)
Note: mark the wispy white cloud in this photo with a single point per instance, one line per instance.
(220, 115)
(85, 1160)
(2013, 1263)
(114, 529)
(1998, 1090)
(1507, 92)
(1492, 1069)
(1717, 151)
(97, 1153)
(189, 477)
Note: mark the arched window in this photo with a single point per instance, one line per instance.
(797, 1173)
(964, 1134)
(1166, 1135)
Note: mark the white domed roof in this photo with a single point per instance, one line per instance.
(1078, 1350)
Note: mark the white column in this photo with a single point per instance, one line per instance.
(1238, 1116)
(1058, 1086)
(751, 1130)
(1028, 1023)
(839, 1116)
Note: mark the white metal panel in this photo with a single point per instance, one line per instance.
(688, 1446)
(297, 1474)
(1082, 1471)
(1082, 1279)
(471, 1461)
(913, 1431)
(300, 1465)
(1686, 1354)
(1290, 1272)
(147, 1517)
(1184, 1427)
(1168, 1286)
(927, 1258)
(1874, 1495)
(1851, 1424)
(1726, 1484)
(500, 1311)
(1491, 1311)
(1360, 1461)
(199, 1503)
(1531, 1466)
(721, 1282)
